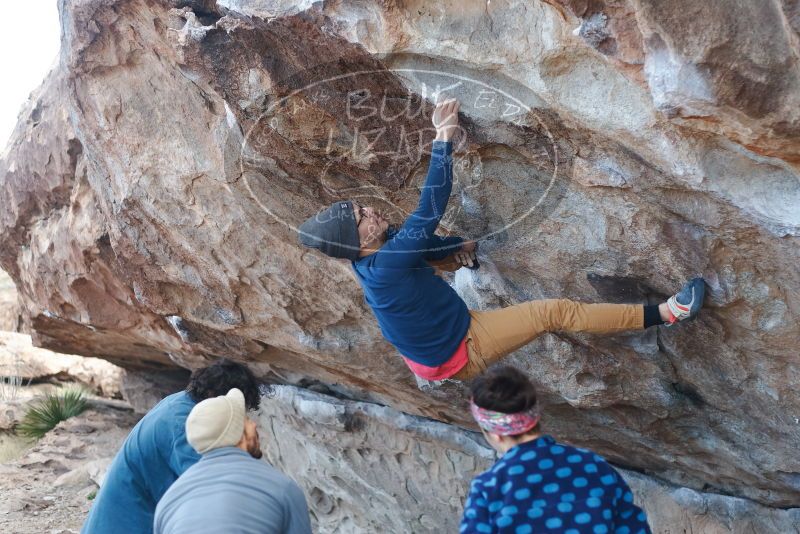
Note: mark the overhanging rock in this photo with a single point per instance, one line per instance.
(610, 151)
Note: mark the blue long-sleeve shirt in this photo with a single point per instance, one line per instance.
(544, 486)
(153, 456)
(418, 312)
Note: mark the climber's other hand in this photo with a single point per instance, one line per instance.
(465, 259)
(469, 246)
(445, 119)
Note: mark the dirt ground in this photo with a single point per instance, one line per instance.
(48, 489)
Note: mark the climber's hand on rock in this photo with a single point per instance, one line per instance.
(467, 256)
(445, 119)
(469, 246)
(465, 259)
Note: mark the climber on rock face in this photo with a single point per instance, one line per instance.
(539, 485)
(423, 316)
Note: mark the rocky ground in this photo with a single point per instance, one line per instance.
(47, 486)
(50, 487)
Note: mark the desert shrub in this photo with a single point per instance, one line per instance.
(11, 380)
(52, 409)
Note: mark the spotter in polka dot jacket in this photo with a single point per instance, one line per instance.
(544, 487)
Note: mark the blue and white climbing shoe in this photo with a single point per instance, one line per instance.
(688, 301)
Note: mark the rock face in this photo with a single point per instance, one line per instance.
(610, 149)
(368, 468)
(19, 359)
(143, 390)
(9, 309)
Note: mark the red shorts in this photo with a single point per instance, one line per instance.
(446, 370)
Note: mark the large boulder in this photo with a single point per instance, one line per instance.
(610, 150)
(21, 363)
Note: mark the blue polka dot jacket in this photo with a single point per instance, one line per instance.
(544, 487)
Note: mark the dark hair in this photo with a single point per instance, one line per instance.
(222, 376)
(503, 389)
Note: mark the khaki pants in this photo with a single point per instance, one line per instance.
(495, 334)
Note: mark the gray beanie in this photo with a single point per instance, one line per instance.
(333, 231)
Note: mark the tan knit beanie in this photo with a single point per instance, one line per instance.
(217, 422)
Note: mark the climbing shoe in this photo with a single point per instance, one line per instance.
(687, 302)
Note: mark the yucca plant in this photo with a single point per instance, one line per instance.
(54, 408)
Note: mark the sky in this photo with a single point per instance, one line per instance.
(29, 42)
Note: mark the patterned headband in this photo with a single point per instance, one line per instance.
(505, 424)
